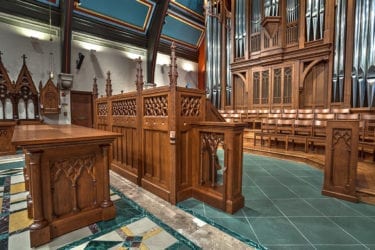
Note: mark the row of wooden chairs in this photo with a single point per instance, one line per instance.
(254, 116)
(310, 130)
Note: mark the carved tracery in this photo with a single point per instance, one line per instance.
(210, 164)
(190, 105)
(124, 107)
(156, 106)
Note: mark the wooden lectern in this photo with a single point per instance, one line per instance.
(340, 172)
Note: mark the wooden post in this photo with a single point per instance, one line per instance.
(95, 89)
(139, 120)
(108, 85)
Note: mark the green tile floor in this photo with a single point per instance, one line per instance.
(284, 209)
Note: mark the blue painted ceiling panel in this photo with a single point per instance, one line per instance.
(133, 13)
(195, 6)
(176, 28)
(55, 3)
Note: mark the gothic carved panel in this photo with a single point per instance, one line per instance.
(26, 95)
(190, 105)
(49, 98)
(126, 107)
(102, 109)
(6, 133)
(156, 106)
(211, 171)
(70, 174)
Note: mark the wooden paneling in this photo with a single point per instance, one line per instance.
(315, 88)
(6, 133)
(82, 108)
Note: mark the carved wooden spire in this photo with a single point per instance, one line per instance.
(95, 89)
(108, 85)
(173, 67)
(139, 80)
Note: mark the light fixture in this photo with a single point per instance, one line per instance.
(51, 46)
(187, 66)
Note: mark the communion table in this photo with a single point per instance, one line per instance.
(67, 176)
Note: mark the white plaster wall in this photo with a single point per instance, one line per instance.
(187, 71)
(98, 63)
(14, 45)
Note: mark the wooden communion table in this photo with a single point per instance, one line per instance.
(67, 176)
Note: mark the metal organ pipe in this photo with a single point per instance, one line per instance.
(237, 32)
(213, 54)
(357, 38)
(363, 73)
(338, 71)
(228, 57)
(218, 60)
(370, 78)
(341, 51)
(308, 19)
(208, 50)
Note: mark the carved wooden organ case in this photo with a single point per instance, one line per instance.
(290, 53)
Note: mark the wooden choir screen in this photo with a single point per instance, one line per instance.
(158, 149)
(161, 142)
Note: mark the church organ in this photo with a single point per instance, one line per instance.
(290, 54)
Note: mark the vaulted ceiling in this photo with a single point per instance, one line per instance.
(129, 21)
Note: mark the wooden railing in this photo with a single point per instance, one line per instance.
(158, 148)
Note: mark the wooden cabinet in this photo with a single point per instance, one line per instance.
(49, 98)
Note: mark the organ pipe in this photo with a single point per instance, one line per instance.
(213, 55)
(338, 67)
(363, 72)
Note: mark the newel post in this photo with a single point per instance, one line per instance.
(139, 116)
(173, 129)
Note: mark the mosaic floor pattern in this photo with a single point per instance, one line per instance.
(133, 227)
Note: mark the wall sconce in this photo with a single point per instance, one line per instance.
(79, 60)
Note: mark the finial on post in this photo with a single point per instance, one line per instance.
(139, 76)
(173, 67)
(108, 85)
(95, 89)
